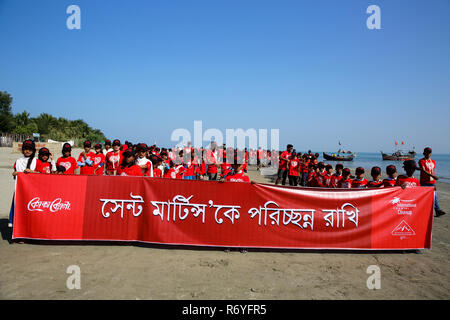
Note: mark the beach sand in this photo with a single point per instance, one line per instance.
(141, 271)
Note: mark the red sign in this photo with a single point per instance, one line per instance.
(229, 214)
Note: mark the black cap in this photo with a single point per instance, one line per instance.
(427, 150)
(98, 146)
(66, 147)
(409, 164)
(359, 170)
(346, 171)
(375, 171)
(29, 144)
(116, 142)
(44, 151)
(87, 144)
(390, 169)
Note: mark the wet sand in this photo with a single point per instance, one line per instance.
(124, 271)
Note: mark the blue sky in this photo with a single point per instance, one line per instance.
(137, 70)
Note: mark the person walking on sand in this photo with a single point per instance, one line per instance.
(427, 168)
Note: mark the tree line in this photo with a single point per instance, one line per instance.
(48, 126)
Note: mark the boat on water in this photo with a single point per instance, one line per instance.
(399, 155)
(339, 156)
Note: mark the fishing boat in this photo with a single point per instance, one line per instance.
(338, 156)
(399, 155)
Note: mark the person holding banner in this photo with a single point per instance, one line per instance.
(86, 160)
(113, 159)
(391, 180)
(408, 180)
(42, 164)
(25, 164)
(376, 180)
(67, 161)
(99, 160)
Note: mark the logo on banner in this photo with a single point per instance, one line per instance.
(403, 229)
(403, 206)
(53, 206)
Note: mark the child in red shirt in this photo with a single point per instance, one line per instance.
(337, 175)
(128, 166)
(294, 168)
(328, 176)
(86, 159)
(113, 159)
(391, 180)
(99, 160)
(359, 182)
(67, 161)
(408, 180)
(42, 164)
(346, 181)
(376, 181)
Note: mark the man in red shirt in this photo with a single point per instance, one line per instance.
(237, 174)
(282, 164)
(427, 168)
(328, 176)
(408, 180)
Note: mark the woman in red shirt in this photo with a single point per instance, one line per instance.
(128, 167)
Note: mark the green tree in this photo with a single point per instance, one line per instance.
(6, 116)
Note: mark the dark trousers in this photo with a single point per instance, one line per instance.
(293, 180)
(212, 176)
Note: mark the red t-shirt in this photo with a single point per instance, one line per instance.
(69, 163)
(99, 162)
(334, 180)
(375, 184)
(327, 181)
(157, 173)
(113, 160)
(211, 161)
(133, 170)
(170, 174)
(43, 167)
(388, 182)
(87, 169)
(294, 167)
(283, 164)
(238, 177)
(359, 184)
(345, 183)
(429, 165)
(190, 169)
(410, 181)
(305, 166)
(225, 169)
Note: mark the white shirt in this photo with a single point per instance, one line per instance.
(106, 151)
(21, 164)
(143, 161)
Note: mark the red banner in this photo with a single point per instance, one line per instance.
(229, 214)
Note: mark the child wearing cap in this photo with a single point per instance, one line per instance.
(427, 177)
(237, 174)
(128, 167)
(391, 180)
(99, 160)
(359, 182)
(376, 178)
(86, 160)
(113, 159)
(345, 182)
(67, 161)
(408, 180)
(42, 163)
(337, 175)
(26, 164)
(143, 162)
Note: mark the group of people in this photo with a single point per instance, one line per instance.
(116, 159)
(306, 170)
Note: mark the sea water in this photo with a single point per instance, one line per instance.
(367, 160)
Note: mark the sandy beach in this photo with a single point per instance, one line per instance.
(138, 271)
